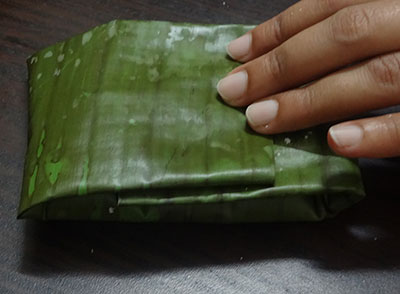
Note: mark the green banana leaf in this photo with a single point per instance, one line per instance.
(126, 125)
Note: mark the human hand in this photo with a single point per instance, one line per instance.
(350, 52)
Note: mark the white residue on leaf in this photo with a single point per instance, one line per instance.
(151, 60)
(57, 72)
(278, 154)
(280, 169)
(212, 47)
(48, 54)
(218, 44)
(34, 59)
(39, 76)
(222, 146)
(287, 141)
(75, 103)
(86, 37)
(77, 62)
(174, 35)
(112, 30)
(132, 121)
(60, 57)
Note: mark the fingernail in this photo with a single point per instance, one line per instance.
(346, 135)
(240, 47)
(233, 86)
(262, 113)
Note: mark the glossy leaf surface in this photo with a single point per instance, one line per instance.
(126, 125)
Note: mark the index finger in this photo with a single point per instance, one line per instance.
(280, 28)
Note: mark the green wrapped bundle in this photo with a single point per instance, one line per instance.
(126, 125)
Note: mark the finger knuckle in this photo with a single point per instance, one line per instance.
(385, 71)
(392, 126)
(351, 25)
(329, 5)
(307, 105)
(274, 64)
(275, 30)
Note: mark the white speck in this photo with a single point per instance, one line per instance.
(86, 37)
(158, 32)
(64, 116)
(266, 127)
(291, 13)
(390, 116)
(376, 238)
(60, 57)
(75, 103)
(48, 54)
(287, 141)
(39, 76)
(223, 3)
(300, 9)
(77, 62)
(71, 51)
(132, 121)
(278, 154)
(91, 251)
(306, 137)
(57, 72)
(241, 258)
(34, 59)
(280, 169)
(111, 210)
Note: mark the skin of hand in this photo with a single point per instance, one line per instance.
(345, 53)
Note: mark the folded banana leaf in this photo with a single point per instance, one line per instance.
(126, 125)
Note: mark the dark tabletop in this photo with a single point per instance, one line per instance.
(357, 252)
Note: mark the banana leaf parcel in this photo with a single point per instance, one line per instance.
(126, 125)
